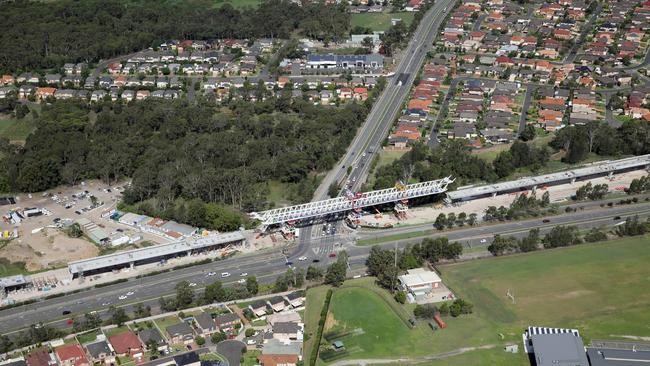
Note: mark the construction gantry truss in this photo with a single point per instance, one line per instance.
(359, 201)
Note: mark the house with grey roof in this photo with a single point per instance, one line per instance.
(100, 352)
(227, 322)
(150, 335)
(287, 331)
(205, 325)
(180, 333)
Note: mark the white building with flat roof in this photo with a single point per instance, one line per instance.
(420, 282)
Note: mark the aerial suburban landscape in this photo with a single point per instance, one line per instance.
(324, 183)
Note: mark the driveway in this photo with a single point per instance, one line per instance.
(231, 349)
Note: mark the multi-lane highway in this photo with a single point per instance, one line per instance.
(267, 265)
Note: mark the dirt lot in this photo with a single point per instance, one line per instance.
(40, 246)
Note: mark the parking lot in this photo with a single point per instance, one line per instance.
(42, 244)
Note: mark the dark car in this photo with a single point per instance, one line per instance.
(289, 263)
(315, 260)
(66, 312)
(617, 217)
(546, 221)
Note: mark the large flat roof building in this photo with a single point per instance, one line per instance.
(562, 349)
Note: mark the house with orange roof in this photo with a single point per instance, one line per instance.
(7, 80)
(360, 93)
(71, 355)
(44, 92)
(543, 65)
(562, 34)
(345, 93)
(419, 104)
(277, 360)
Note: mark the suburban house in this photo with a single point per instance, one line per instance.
(100, 352)
(287, 331)
(18, 361)
(40, 357)
(187, 359)
(258, 308)
(296, 299)
(277, 360)
(419, 282)
(277, 303)
(147, 336)
(227, 322)
(371, 61)
(205, 324)
(71, 355)
(284, 317)
(180, 333)
(127, 344)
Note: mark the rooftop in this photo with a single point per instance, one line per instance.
(563, 349)
(419, 276)
(617, 357)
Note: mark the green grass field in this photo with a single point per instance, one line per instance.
(9, 269)
(313, 306)
(380, 21)
(601, 289)
(16, 130)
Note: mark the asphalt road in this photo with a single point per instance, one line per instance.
(380, 119)
(267, 265)
(581, 38)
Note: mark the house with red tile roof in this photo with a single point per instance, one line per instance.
(71, 355)
(127, 344)
(40, 357)
(277, 360)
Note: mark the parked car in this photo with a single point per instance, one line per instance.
(225, 274)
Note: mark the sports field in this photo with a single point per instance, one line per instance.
(379, 21)
(602, 289)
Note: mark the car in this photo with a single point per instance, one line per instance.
(69, 321)
(192, 284)
(130, 293)
(210, 274)
(106, 303)
(546, 221)
(243, 274)
(241, 281)
(289, 263)
(225, 274)
(119, 230)
(315, 260)
(332, 255)
(303, 258)
(617, 217)
(483, 240)
(66, 312)
(123, 297)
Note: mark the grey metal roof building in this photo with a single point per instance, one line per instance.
(152, 254)
(563, 349)
(587, 172)
(617, 357)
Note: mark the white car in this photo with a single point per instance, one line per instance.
(243, 274)
(241, 281)
(130, 293)
(192, 284)
(483, 240)
(225, 274)
(123, 297)
(210, 274)
(303, 258)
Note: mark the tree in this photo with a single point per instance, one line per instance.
(141, 311)
(184, 294)
(74, 231)
(561, 236)
(5, 344)
(334, 189)
(118, 315)
(251, 285)
(92, 320)
(501, 245)
(461, 219)
(218, 337)
(314, 273)
(400, 297)
(215, 292)
(441, 221)
(460, 306)
(249, 332)
(368, 43)
(281, 284)
(471, 220)
(200, 341)
(530, 242)
(337, 271)
(427, 311)
(595, 234)
(528, 134)
(451, 219)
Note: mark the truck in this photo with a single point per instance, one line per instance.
(439, 321)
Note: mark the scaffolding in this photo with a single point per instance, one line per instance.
(351, 202)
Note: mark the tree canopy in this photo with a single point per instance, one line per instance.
(43, 35)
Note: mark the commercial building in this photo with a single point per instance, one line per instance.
(153, 254)
(13, 283)
(562, 349)
(93, 232)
